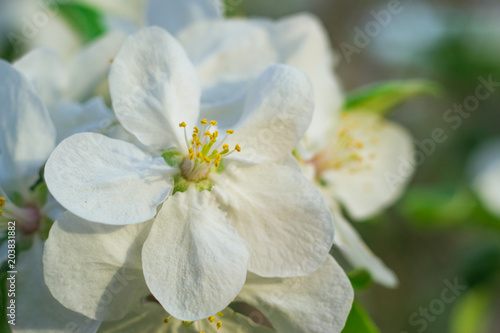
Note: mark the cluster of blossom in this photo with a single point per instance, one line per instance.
(213, 180)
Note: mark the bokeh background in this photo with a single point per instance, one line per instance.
(438, 232)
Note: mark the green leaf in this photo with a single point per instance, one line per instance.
(437, 206)
(88, 22)
(382, 98)
(360, 278)
(471, 312)
(359, 321)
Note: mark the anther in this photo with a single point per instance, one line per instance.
(183, 124)
(204, 122)
(225, 147)
(229, 131)
(219, 324)
(2, 201)
(213, 122)
(237, 148)
(165, 320)
(211, 319)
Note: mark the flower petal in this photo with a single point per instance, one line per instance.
(106, 180)
(46, 71)
(359, 255)
(386, 167)
(95, 269)
(319, 302)
(154, 87)
(173, 15)
(91, 65)
(71, 118)
(194, 261)
(277, 113)
(281, 215)
(304, 43)
(228, 56)
(28, 135)
(36, 309)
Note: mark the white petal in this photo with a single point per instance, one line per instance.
(106, 180)
(194, 261)
(228, 55)
(485, 171)
(281, 215)
(154, 87)
(303, 42)
(36, 309)
(359, 255)
(57, 34)
(46, 71)
(174, 15)
(384, 172)
(277, 113)
(28, 135)
(95, 269)
(319, 302)
(71, 118)
(91, 66)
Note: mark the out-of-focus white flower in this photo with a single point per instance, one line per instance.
(229, 54)
(26, 140)
(485, 172)
(74, 80)
(350, 167)
(233, 210)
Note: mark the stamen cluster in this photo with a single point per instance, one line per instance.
(203, 150)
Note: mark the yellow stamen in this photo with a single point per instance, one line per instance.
(211, 319)
(196, 130)
(229, 131)
(191, 150)
(2, 201)
(199, 155)
(219, 324)
(206, 159)
(183, 124)
(213, 122)
(238, 148)
(204, 122)
(216, 134)
(216, 163)
(191, 156)
(225, 147)
(165, 320)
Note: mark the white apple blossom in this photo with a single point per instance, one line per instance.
(350, 168)
(229, 53)
(485, 173)
(319, 302)
(228, 209)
